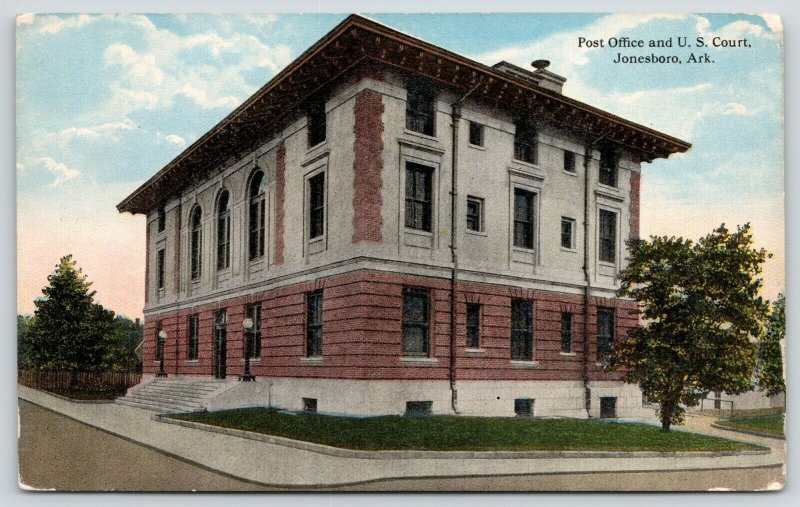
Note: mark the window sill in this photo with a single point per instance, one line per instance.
(525, 164)
(477, 146)
(418, 232)
(312, 361)
(192, 362)
(571, 250)
(523, 249)
(253, 361)
(515, 363)
(418, 361)
(571, 173)
(317, 146)
(607, 264)
(476, 352)
(613, 188)
(420, 135)
(317, 239)
(568, 354)
(477, 233)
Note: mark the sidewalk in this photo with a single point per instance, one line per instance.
(278, 465)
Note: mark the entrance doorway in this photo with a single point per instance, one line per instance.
(220, 343)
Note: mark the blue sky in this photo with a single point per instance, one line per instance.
(105, 101)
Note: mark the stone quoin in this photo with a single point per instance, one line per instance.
(412, 232)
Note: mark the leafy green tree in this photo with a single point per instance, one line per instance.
(770, 372)
(701, 317)
(69, 330)
(126, 338)
(23, 344)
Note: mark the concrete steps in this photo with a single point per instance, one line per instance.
(173, 395)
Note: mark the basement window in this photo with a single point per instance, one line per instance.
(310, 405)
(523, 407)
(419, 408)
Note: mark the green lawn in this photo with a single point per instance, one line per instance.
(445, 433)
(772, 424)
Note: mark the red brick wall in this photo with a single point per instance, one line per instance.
(280, 183)
(362, 332)
(367, 167)
(636, 179)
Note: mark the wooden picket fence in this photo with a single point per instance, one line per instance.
(93, 380)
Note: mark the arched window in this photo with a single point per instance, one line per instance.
(258, 192)
(223, 230)
(197, 236)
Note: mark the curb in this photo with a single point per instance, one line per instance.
(351, 453)
(748, 432)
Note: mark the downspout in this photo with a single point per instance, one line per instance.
(455, 116)
(587, 391)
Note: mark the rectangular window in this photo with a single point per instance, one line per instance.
(159, 341)
(316, 122)
(316, 223)
(523, 407)
(569, 161)
(567, 233)
(420, 108)
(415, 322)
(161, 267)
(314, 324)
(521, 330)
(220, 364)
(310, 405)
(475, 134)
(194, 337)
(523, 218)
(608, 236)
(253, 313)
(418, 196)
(474, 214)
(566, 332)
(605, 334)
(473, 326)
(162, 219)
(608, 168)
(608, 407)
(419, 408)
(526, 145)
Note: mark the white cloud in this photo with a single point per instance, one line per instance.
(176, 140)
(54, 24)
(26, 19)
(773, 22)
(61, 172)
(109, 129)
(207, 68)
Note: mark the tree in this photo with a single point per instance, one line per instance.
(770, 372)
(69, 330)
(701, 315)
(23, 345)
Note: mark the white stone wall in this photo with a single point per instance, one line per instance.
(488, 172)
(475, 398)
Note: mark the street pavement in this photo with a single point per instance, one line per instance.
(270, 464)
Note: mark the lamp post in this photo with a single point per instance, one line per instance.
(162, 339)
(247, 324)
